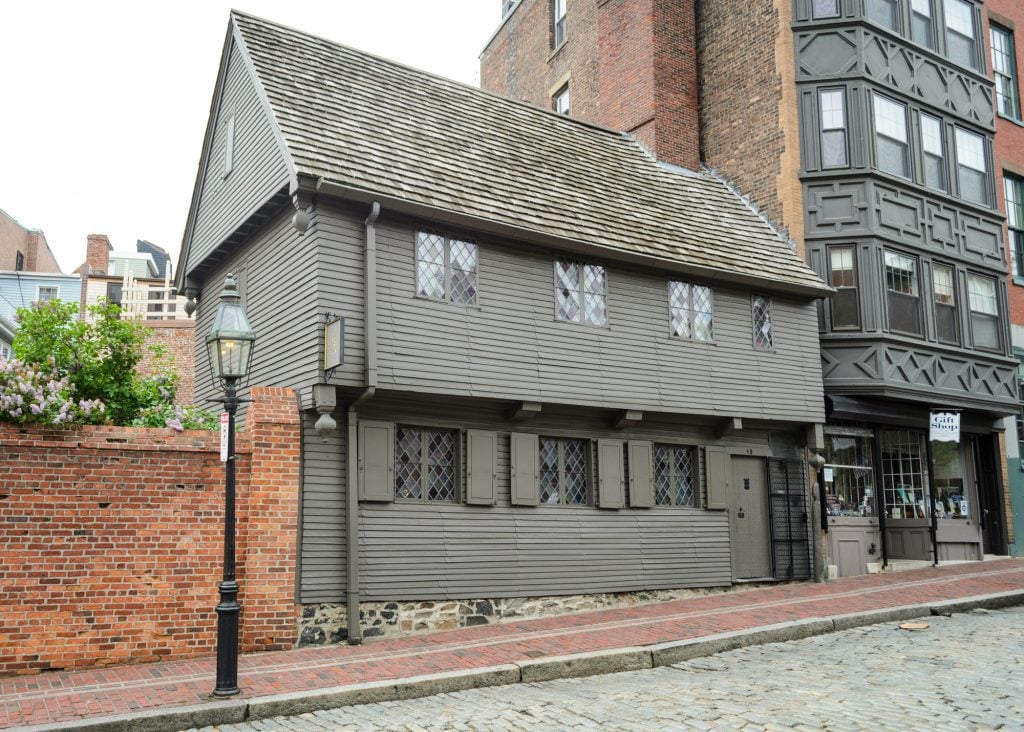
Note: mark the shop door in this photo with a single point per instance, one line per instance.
(748, 519)
(989, 494)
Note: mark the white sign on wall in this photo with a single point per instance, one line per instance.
(945, 427)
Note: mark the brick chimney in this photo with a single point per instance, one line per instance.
(97, 253)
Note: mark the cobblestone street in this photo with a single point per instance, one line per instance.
(963, 672)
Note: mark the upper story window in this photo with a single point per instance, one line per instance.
(229, 145)
(960, 35)
(825, 8)
(560, 101)
(426, 464)
(557, 23)
(944, 294)
(971, 166)
(903, 293)
(922, 26)
(764, 337)
(45, 293)
(562, 471)
(1014, 189)
(882, 12)
(892, 153)
(675, 468)
(1005, 69)
(580, 292)
(833, 128)
(446, 268)
(843, 277)
(19, 261)
(506, 7)
(933, 152)
(690, 311)
(981, 296)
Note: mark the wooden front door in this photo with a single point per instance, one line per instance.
(749, 531)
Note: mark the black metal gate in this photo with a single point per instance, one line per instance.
(790, 513)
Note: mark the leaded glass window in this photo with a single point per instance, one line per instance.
(981, 298)
(833, 128)
(903, 293)
(580, 292)
(675, 468)
(892, 153)
(922, 27)
(764, 338)
(960, 38)
(690, 311)
(944, 294)
(446, 268)
(933, 152)
(562, 471)
(1013, 187)
(972, 168)
(1005, 69)
(426, 464)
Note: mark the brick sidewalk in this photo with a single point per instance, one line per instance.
(64, 697)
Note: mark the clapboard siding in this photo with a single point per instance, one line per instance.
(278, 279)
(436, 551)
(322, 575)
(21, 289)
(258, 169)
(511, 347)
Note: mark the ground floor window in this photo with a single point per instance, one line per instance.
(903, 474)
(950, 497)
(849, 474)
(563, 471)
(426, 466)
(674, 476)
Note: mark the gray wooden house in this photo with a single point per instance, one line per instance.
(566, 369)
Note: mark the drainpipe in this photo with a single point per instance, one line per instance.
(355, 634)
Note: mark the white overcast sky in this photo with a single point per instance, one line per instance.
(103, 103)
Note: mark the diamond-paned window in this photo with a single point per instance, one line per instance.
(446, 268)
(674, 470)
(426, 464)
(580, 293)
(690, 313)
(562, 472)
(764, 338)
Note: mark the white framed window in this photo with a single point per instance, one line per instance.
(984, 306)
(933, 153)
(46, 293)
(903, 293)
(764, 337)
(1013, 187)
(883, 12)
(675, 476)
(825, 9)
(446, 268)
(562, 472)
(843, 277)
(944, 300)
(690, 311)
(922, 25)
(833, 128)
(557, 23)
(971, 166)
(426, 465)
(580, 292)
(560, 102)
(1004, 67)
(5, 350)
(892, 153)
(960, 33)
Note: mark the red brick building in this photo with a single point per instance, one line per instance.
(23, 249)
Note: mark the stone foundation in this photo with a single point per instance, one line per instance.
(325, 623)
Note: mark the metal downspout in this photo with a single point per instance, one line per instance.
(355, 634)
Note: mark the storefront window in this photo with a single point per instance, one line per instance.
(950, 498)
(903, 475)
(849, 478)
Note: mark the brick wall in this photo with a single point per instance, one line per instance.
(748, 106)
(111, 540)
(178, 338)
(31, 243)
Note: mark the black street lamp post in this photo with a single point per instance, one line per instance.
(230, 343)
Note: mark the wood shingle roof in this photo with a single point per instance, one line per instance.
(359, 122)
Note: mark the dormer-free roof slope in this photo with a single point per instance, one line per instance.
(364, 124)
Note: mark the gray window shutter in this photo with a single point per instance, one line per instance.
(717, 461)
(525, 491)
(481, 467)
(376, 461)
(641, 485)
(611, 488)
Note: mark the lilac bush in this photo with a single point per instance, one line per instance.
(30, 393)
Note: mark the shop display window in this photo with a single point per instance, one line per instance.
(951, 500)
(904, 478)
(849, 475)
